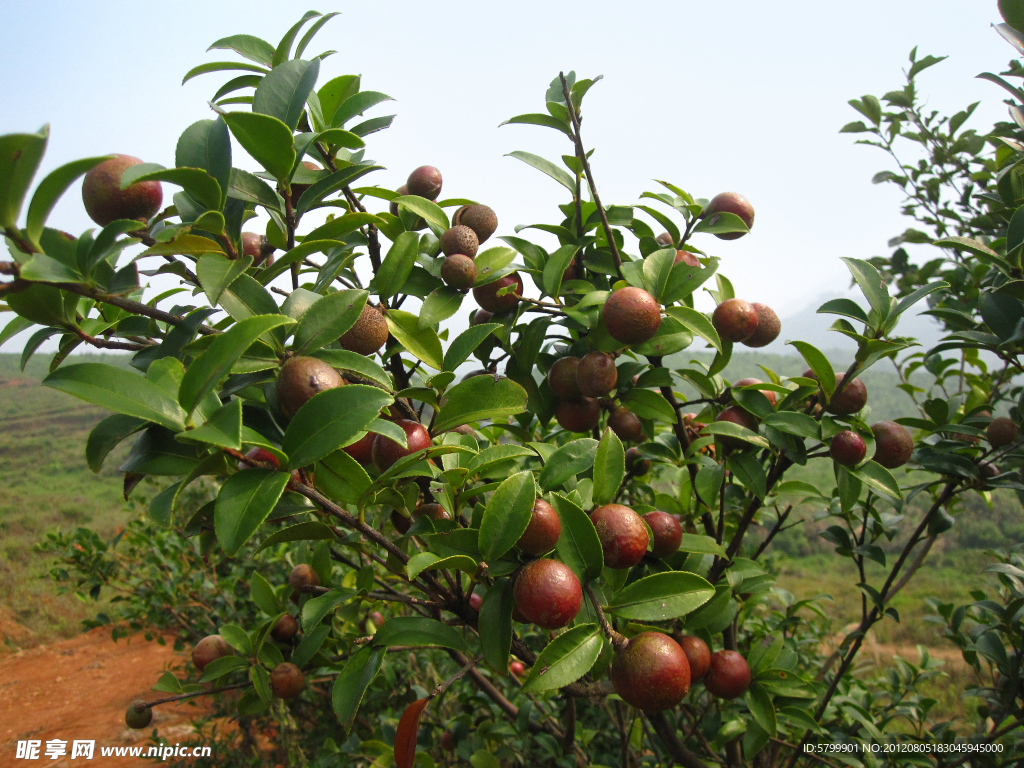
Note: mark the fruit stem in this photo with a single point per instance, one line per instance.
(619, 641)
(457, 676)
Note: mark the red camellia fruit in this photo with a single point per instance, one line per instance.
(542, 531)
(668, 534)
(260, 454)
(386, 451)
(698, 654)
(847, 448)
(448, 741)
(651, 673)
(362, 449)
(285, 629)
(624, 423)
(631, 315)
(104, 199)
(766, 392)
(517, 668)
(578, 415)
(209, 648)
(562, 378)
(548, 594)
(475, 601)
(487, 295)
(735, 320)
(287, 681)
(731, 202)
(736, 415)
(851, 400)
(728, 675)
(687, 258)
(893, 444)
(425, 181)
(622, 533)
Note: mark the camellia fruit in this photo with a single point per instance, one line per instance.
(850, 400)
(847, 448)
(517, 668)
(651, 673)
(459, 271)
(667, 532)
(487, 295)
(622, 533)
(425, 181)
(459, 239)
(138, 715)
(209, 648)
(287, 681)
(631, 315)
(105, 201)
(542, 531)
(432, 510)
(562, 378)
(626, 425)
(369, 333)
(1001, 432)
(893, 444)
(768, 327)
(697, 653)
(728, 675)
(636, 463)
(285, 628)
(480, 218)
(766, 392)
(386, 451)
(664, 239)
(735, 320)
(255, 245)
(596, 374)
(362, 449)
(548, 594)
(687, 258)
(736, 415)
(578, 415)
(476, 602)
(299, 379)
(731, 202)
(303, 576)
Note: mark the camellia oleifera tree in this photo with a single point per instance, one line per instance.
(554, 537)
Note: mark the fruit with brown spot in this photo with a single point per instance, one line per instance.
(425, 181)
(667, 532)
(893, 444)
(596, 374)
(458, 271)
(626, 425)
(299, 379)
(631, 315)
(287, 681)
(622, 533)
(847, 448)
(480, 218)
(386, 451)
(487, 295)
(460, 239)
(542, 531)
(548, 594)
(1001, 432)
(105, 201)
(208, 649)
(735, 320)
(369, 333)
(285, 628)
(768, 327)
(303, 576)
(578, 415)
(731, 202)
(651, 673)
(728, 675)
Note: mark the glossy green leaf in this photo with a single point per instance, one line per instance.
(428, 561)
(547, 167)
(359, 364)
(20, 154)
(568, 461)
(397, 265)
(330, 420)
(422, 343)
(819, 364)
(355, 678)
(107, 435)
(565, 659)
(555, 267)
(539, 119)
(196, 181)
(252, 48)
(495, 624)
(50, 190)
(221, 66)
(216, 272)
(267, 139)
(311, 530)
(354, 105)
(223, 429)
(609, 468)
(507, 514)
(698, 323)
(761, 707)
(244, 501)
(426, 209)
(877, 477)
(206, 144)
(662, 596)
(328, 319)
(186, 245)
(648, 404)
(871, 285)
(252, 189)
(440, 304)
(478, 398)
(578, 545)
(283, 92)
(464, 344)
(721, 223)
(284, 48)
(419, 630)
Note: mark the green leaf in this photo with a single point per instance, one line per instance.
(555, 267)
(464, 344)
(283, 92)
(223, 429)
(306, 38)
(578, 545)
(20, 154)
(331, 419)
(749, 471)
(566, 659)
(422, 343)
(419, 630)
(440, 304)
(50, 190)
(761, 707)
(266, 139)
(495, 624)
(221, 66)
(213, 365)
(311, 643)
(697, 323)
(186, 245)
(428, 561)
(244, 501)
(343, 225)
(546, 166)
(568, 461)
(875, 476)
(846, 307)
(308, 531)
(871, 285)
(818, 363)
(426, 209)
(609, 468)
(489, 263)
(702, 545)
(662, 596)
(328, 319)
(1012, 12)
(351, 684)
(252, 189)
(507, 514)
(43, 269)
(648, 404)
(792, 423)
(328, 185)
(478, 398)
(263, 595)
(354, 105)
(721, 223)
(252, 48)
(315, 609)
(284, 48)
(118, 390)
(160, 508)
(539, 119)
(196, 181)
(107, 435)
(216, 272)
(397, 265)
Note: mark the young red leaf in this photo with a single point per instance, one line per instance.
(405, 735)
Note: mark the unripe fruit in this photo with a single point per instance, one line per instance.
(847, 448)
(651, 673)
(476, 602)
(768, 327)
(1001, 432)
(208, 649)
(460, 239)
(622, 533)
(893, 444)
(458, 271)
(362, 449)
(287, 681)
(303, 576)
(255, 245)
(447, 741)
(624, 423)
(668, 534)
(299, 379)
(578, 415)
(487, 295)
(562, 378)
(138, 715)
(548, 594)
(596, 375)
(636, 463)
(374, 620)
(731, 202)
(425, 181)
(386, 451)
(698, 654)
(433, 511)
(105, 201)
(735, 320)
(368, 335)
(260, 454)
(542, 531)
(851, 400)
(728, 675)
(517, 668)
(403, 191)
(285, 629)
(631, 315)
(481, 219)
(664, 239)
(766, 392)
(736, 415)
(687, 258)
(480, 317)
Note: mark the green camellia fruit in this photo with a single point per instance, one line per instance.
(138, 715)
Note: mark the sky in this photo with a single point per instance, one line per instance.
(746, 97)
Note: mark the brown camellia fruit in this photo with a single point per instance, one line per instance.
(651, 673)
(403, 191)
(425, 181)
(622, 533)
(368, 335)
(138, 715)
(893, 444)
(480, 317)
(362, 449)
(459, 271)
(596, 375)
(631, 315)
(459, 239)
(548, 594)
(624, 423)
(851, 400)
(766, 392)
(299, 379)
(105, 201)
(487, 295)
(431, 510)
(303, 576)
(697, 653)
(481, 219)
(731, 202)
(287, 681)
(562, 378)
(735, 320)
(768, 327)
(285, 629)
(542, 531)
(847, 448)
(386, 451)
(664, 239)
(1001, 432)
(728, 675)
(668, 534)
(736, 415)
(687, 258)
(578, 415)
(209, 648)
(255, 245)
(636, 463)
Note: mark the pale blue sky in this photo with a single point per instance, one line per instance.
(745, 96)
